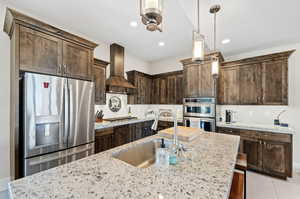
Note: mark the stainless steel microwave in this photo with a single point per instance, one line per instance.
(199, 107)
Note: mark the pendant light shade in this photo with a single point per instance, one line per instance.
(215, 60)
(215, 67)
(198, 47)
(151, 13)
(198, 40)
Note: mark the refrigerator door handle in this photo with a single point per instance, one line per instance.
(66, 112)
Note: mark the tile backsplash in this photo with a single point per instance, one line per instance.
(254, 114)
(136, 110)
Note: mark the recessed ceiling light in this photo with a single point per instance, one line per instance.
(161, 43)
(133, 24)
(226, 41)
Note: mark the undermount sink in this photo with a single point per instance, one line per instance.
(141, 155)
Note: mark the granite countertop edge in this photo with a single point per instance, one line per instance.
(209, 176)
(260, 127)
(104, 125)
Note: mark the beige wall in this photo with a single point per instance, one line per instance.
(101, 52)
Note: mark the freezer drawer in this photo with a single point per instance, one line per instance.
(44, 162)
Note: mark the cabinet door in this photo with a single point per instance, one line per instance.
(99, 78)
(122, 135)
(40, 52)
(275, 158)
(252, 149)
(191, 81)
(206, 81)
(104, 141)
(179, 89)
(229, 86)
(250, 84)
(163, 97)
(275, 82)
(148, 86)
(155, 91)
(77, 61)
(171, 89)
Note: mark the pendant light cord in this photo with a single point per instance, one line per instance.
(198, 17)
(215, 31)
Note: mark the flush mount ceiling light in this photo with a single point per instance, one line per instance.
(151, 13)
(226, 41)
(161, 43)
(198, 40)
(133, 24)
(215, 60)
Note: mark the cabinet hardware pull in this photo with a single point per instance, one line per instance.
(65, 69)
(59, 68)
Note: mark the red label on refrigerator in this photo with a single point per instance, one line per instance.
(46, 84)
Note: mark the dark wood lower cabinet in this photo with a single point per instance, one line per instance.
(122, 135)
(251, 147)
(268, 153)
(275, 158)
(106, 139)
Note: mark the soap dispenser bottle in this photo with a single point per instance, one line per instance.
(162, 156)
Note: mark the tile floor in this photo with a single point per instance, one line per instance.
(261, 187)
(265, 187)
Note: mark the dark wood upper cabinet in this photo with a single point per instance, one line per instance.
(250, 82)
(197, 77)
(261, 80)
(179, 89)
(164, 88)
(77, 61)
(155, 91)
(99, 77)
(228, 89)
(191, 81)
(275, 82)
(40, 52)
(207, 85)
(143, 83)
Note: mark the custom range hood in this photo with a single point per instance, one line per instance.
(117, 83)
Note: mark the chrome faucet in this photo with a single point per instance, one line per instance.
(174, 115)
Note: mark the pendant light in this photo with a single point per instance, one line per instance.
(198, 40)
(151, 13)
(215, 60)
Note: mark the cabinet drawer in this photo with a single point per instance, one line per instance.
(276, 137)
(229, 131)
(104, 132)
(247, 134)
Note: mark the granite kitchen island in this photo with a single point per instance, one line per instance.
(208, 175)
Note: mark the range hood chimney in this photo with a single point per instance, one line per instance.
(116, 83)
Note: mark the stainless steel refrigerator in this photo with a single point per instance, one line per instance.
(58, 121)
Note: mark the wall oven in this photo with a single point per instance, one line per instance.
(200, 113)
(207, 124)
(199, 107)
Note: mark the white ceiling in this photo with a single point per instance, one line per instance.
(250, 24)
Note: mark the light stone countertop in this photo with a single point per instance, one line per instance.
(100, 176)
(258, 127)
(106, 124)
